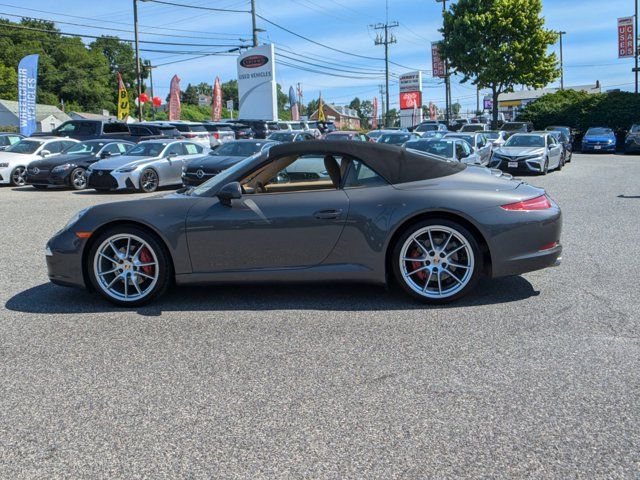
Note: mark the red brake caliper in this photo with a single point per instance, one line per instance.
(416, 253)
(145, 257)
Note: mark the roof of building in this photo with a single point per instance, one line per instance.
(340, 110)
(537, 93)
(42, 111)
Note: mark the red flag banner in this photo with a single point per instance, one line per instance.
(374, 116)
(174, 99)
(216, 106)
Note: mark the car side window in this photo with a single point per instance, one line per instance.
(112, 148)
(460, 151)
(54, 147)
(357, 174)
(14, 139)
(295, 173)
(192, 148)
(174, 149)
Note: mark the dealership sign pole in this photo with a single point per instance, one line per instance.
(27, 86)
(410, 99)
(257, 84)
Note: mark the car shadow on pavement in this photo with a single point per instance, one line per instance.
(49, 298)
(628, 196)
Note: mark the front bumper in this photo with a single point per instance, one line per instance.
(64, 259)
(533, 165)
(113, 180)
(193, 181)
(5, 175)
(598, 148)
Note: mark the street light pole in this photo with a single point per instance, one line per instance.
(138, 75)
(447, 80)
(560, 34)
(254, 28)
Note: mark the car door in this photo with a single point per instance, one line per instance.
(483, 148)
(296, 225)
(555, 152)
(171, 165)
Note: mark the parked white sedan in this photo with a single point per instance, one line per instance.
(16, 158)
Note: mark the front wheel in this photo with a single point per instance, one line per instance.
(149, 180)
(78, 179)
(437, 261)
(544, 169)
(128, 266)
(17, 177)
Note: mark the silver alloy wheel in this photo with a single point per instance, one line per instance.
(126, 267)
(149, 180)
(78, 179)
(17, 176)
(436, 261)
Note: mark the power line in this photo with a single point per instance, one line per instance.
(197, 7)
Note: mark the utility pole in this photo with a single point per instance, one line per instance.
(138, 76)
(153, 107)
(382, 110)
(386, 40)
(447, 77)
(477, 100)
(560, 34)
(635, 44)
(254, 28)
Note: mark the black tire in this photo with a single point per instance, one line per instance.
(478, 259)
(74, 181)
(561, 163)
(40, 187)
(17, 177)
(148, 186)
(164, 265)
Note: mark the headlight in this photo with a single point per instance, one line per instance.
(76, 217)
(63, 168)
(609, 141)
(126, 169)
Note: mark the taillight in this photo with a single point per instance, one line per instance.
(537, 203)
(190, 135)
(216, 135)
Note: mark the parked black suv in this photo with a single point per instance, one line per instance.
(90, 129)
(259, 127)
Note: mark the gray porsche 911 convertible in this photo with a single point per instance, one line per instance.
(316, 211)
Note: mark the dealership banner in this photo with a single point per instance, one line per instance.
(293, 102)
(27, 86)
(174, 99)
(374, 116)
(437, 63)
(410, 99)
(321, 117)
(123, 100)
(257, 84)
(625, 37)
(216, 105)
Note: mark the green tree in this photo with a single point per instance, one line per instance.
(230, 92)
(8, 83)
(312, 106)
(455, 109)
(190, 95)
(498, 44)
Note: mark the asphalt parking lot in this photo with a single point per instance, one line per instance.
(531, 376)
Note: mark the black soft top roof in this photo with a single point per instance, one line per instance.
(395, 164)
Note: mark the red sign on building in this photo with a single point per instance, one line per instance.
(437, 64)
(625, 37)
(410, 100)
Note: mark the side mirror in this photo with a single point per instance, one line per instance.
(171, 156)
(105, 154)
(44, 153)
(231, 191)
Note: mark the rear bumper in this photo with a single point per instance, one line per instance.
(598, 148)
(530, 262)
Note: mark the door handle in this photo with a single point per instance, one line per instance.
(327, 214)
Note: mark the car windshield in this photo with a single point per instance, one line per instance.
(282, 137)
(375, 134)
(394, 138)
(24, 146)
(525, 141)
(85, 148)
(492, 135)
(427, 127)
(147, 149)
(467, 138)
(184, 127)
(296, 126)
(238, 149)
(599, 131)
(472, 128)
(339, 136)
(512, 127)
(436, 147)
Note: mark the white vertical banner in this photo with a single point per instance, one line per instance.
(257, 84)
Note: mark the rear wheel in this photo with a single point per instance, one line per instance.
(128, 266)
(17, 176)
(149, 180)
(78, 179)
(437, 261)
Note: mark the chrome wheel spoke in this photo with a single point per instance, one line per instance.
(144, 275)
(421, 246)
(453, 276)
(426, 285)
(112, 260)
(115, 279)
(408, 274)
(457, 265)
(456, 250)
(439, 283)
(446, 243)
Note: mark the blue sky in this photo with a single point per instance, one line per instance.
(590, 48)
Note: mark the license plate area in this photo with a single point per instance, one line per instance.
(513, 164)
